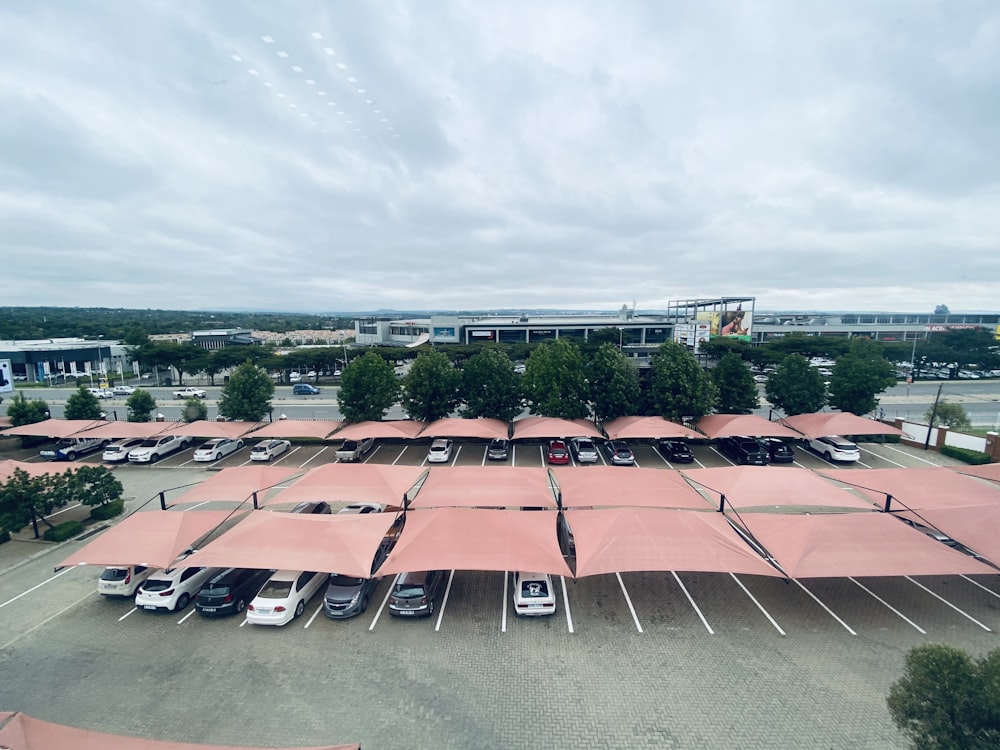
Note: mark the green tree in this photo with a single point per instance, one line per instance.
(946, 700)
(490, 387)
(25, 499)
(368, 388)
(941, 310)
(247, 395)
(678, 386)
(22, 411)
(950, 415)
(82, 405)
(93, 485)
(431, 387)
(614, 384)
(795, 387)
(194, 410)
(737, 390)
(859, 376)
(554, 383)
(141, 405)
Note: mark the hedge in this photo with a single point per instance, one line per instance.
(104, 511)
(964, 454)
(4, 536)
(63, 531)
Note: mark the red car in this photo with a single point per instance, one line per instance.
(558, 452)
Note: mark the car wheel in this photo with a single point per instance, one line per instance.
(827, 456)
(182, 602)
(71, 456)
(430, 609)
(241, 605)
(300, 608)
(154, 458)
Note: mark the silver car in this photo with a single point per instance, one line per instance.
(584, 450)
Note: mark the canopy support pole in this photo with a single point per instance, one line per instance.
(254, 496)
(722, 503)
(888, 501)
(163, 501)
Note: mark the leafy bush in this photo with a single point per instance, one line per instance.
(964, 454)
(4, 536)
(107, 510)
(63, 531)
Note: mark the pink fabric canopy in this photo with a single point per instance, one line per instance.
(549, 427)
(657, 428)
(352, 483)
(55, 428)
(466, 486)
(206, 429)
(975, 527)
(986, 471)
(154, 538)
(633, 539)
(19, 731)
(119, 430)
(236, 484)
(36, 468)
(759, 486)
(477, 539)
(728, 425)
(611, 486)
(405, 429)
(822, 424)
(855, 544)
(919, 489)
(344, 544)
(298, 428)
(466, 428)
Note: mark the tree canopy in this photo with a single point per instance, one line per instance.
(247, 395)
(554, 382)
(490, 386)
(82, 405)
(22, 411)
(948, 414)
(368, 388)
(737, 390)
(795, 387)
(678, 387)
(614, 384)
(430, 390)
(141, 405)
(27, 500)
(859, 375)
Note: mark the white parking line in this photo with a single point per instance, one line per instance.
(245, 621)
(38, 586)
(569, 616)
(945, 601)
(134, 609)
(317, 455)
(444, 601)
(69, 507)
(984, 588)
(43, 622)
(828, 610)
(891, 608)
(396, 459)
(181, 621)
(883, 458)
(313, 617)
(910, 455)
(691, 600)
(754, 600)
(628, 601)
(384, 602)
(503, 612)
(198, 505)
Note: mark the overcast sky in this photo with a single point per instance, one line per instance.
(343, 156)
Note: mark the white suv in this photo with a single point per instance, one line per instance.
(835, 448)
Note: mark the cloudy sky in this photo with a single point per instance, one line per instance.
(338, 156)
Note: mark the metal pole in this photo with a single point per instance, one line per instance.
(930, 426)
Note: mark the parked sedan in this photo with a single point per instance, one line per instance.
(498, 449)
(440, 451)
(171, 590)
(284, 597)
(217, 449)
(533, 595)
(118, 451)
(676, 451)
(558, 454)
(584, 450)
(265, 450)
(619, 453)
(347, 596)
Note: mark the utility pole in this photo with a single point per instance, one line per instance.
(930, 426)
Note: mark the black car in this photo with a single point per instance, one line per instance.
(778, 451)
(676, 451)
(414, 594)
(743, 450)
(228, 592)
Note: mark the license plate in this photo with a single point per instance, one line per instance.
(534, 606)
(405, 612)
(208, 609)
(148, 606)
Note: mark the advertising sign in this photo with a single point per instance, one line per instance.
(444, 333)
(6, 377)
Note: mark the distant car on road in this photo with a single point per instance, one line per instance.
(101, 392)
(265, 450)
(304, 389)
(123, 390)
(190, 393)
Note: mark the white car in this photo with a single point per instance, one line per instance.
(284, 597)
(360, 508)
(534, 595)
(123, 390)
(156, 448)
(101, 392)
(440, 451)
(171, 590)
(118, 451)
(190, 393)
(217, 449)
(265, 450)
(122, 580)
(835, 448)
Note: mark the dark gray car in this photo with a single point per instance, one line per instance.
(347, 596)
(229, 592)
(415, 593)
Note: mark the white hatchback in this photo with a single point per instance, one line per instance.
(171, 590)
(284, 597)
(122, 580)
(265, 450)
(440, 451)
(534, 595)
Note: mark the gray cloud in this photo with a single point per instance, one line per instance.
(309, 156)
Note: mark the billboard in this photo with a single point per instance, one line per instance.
(6, 377)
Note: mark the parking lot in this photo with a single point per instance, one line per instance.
(658, 660)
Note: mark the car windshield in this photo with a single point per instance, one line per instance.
(339, 580)
(276, 590)
(148, 443)
(350, 445)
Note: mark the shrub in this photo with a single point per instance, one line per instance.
(63, 531)
(104, 511)
(4, 536)
(964, 454)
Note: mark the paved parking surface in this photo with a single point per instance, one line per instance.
(637, 660)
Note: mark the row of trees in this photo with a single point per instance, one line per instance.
(25, 499)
